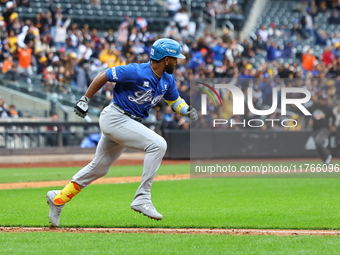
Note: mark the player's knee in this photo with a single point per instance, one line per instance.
(159, 145)
(162, 145)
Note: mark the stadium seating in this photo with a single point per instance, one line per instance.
(281, 12)
(108, 15)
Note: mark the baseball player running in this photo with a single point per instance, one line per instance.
(138, 88)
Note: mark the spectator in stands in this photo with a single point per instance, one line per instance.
(40, 22)
(42, 65)
(296, 30)
(328, 56)
(336, 38)
(12, 41)
(337, 49)
(196, 25)
(21, 36)
(234, 51)
(287, 50)
(226, 37)
(3, 30)
(110, 38)
(32, 34)
(171, 31)
(283, 30)
(5, 51)
(61, 31)
(247, 72)
(334, 19)
(95, 38)
(209, 10)
(301, 6)
(235, 8)
(9, 69)
(85, 50)
(54, 13)
(49, 79)
(108, 56)
(13, 113)
(285, 72)
(322, 38)
(123, 30)
(323, 7)
(182, 20)
(259, 44)
(42, 46)
(219, 51)
(8, 11)
(3, 109)
(313, 8)
(24, 58)
(198, 59)
(173, 7)
(73, 39)
(273, 31)
(308, 61)
(273, 52)
(263, 33)
(249, 50)
(307, 23)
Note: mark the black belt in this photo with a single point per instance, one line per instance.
(139, 119)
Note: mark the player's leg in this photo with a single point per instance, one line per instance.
(319, 138)
(132, 134)
(107, 152)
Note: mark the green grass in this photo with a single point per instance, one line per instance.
(203, 203)
(89, 243)
(9, 175)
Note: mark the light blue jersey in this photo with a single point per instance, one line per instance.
(137, 89)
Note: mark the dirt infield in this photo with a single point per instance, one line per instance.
(22, 185)
(187, 231)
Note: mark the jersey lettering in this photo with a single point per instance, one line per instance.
(141, 97)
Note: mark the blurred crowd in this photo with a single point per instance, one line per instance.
(67, 57)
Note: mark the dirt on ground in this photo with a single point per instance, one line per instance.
(185, 231)
(22, 185)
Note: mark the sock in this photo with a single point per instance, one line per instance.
(67, 193)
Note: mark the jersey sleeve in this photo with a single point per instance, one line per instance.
(122, 74)
(172, 92)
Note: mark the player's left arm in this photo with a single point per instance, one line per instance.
(178, 104)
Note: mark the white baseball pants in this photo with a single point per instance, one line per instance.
(119, 132)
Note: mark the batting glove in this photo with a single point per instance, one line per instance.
(82, 106)
(192, 113)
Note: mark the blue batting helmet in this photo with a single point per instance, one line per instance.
(165, 48)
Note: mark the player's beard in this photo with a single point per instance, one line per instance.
(170, 69)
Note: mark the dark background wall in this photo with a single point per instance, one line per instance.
(205, 144)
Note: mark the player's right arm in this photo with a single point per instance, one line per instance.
(82, 106)
(115, 74)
